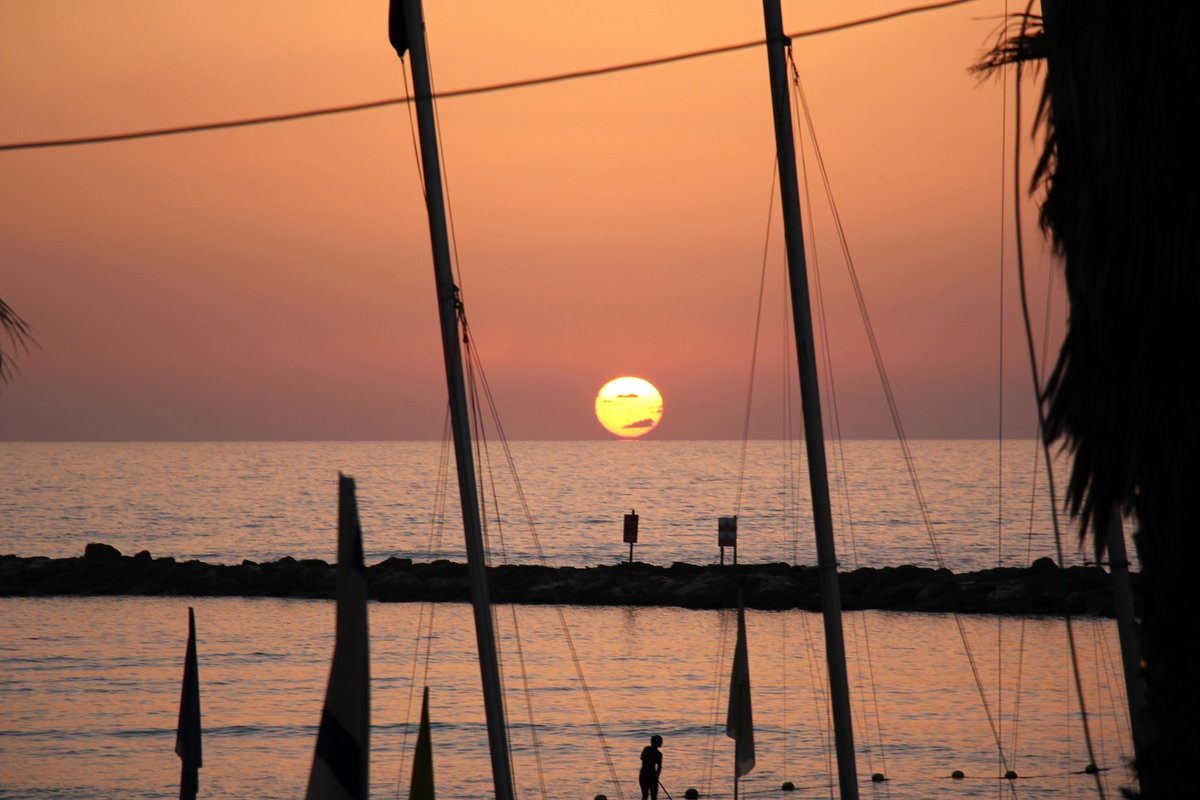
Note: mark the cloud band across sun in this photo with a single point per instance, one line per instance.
(629, 407)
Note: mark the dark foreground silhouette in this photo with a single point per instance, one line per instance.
(1043, 588)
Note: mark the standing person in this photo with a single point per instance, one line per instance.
(651, 768)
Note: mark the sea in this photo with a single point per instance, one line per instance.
(89, 687)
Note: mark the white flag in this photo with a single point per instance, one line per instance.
(739, 725)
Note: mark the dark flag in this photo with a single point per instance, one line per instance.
(397, 30)
(340, 763)
(739, 725)
(187, 734)
(421, 787)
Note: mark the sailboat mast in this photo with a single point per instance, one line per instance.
(1127, 635)
(448, 308)
(814, 437)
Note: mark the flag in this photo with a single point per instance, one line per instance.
(421, 787)
(397, 29)
(739, 725)
(340, 763)
(187, 734)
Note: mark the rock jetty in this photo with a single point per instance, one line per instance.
(1043, 588)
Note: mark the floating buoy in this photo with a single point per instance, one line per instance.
(1011, 775)
(878, 777)
(1091, 769)
(691, 794)
(957, 775)
(788, 786)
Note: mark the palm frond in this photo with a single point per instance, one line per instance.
(19, 337)
(1022, 40)
(1120, 172)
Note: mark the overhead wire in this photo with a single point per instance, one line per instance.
(294, 116)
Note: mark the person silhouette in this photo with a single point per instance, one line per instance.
(651, 768)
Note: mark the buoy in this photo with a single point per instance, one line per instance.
(1091, 769)
(957, 775)
(1011, 775)
(691, 794)
(878, 777)
(788, 786)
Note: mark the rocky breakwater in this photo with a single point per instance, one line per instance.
(1043, 588)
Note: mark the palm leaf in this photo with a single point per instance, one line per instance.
(19, 338)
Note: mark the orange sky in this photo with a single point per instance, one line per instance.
(275, 282)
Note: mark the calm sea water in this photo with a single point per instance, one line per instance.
(224, 502)
(89, 692)
(89, 686)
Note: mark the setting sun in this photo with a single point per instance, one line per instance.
(629, 407)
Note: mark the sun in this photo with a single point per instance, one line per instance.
(629, 407)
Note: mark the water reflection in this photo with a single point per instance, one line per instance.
(90, 688)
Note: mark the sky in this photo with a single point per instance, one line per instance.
(275, 282)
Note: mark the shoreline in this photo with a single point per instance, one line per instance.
(1041, 589)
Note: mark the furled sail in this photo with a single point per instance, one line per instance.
(340, 763)
(187, 734)
(421, 787)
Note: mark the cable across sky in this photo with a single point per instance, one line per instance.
(484, 89)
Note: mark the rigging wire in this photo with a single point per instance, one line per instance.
(714, 710)
(762, 283)
(482, 464)
(821, 703)
(741, 474)
(425, 628)
(1033, 494)
(1000, 412)
(474, 367)
(791, 491)
(437, 123)
(479, 437)
(845, 507)
(845, 515)
(1115, 669)
(820, 697)
(489, 401)
(412, 128)
(485, 464)
(893, 410)
(1037, 454)
(1041, 413)
(370, 105)
(792, 458)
